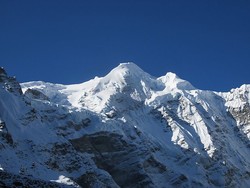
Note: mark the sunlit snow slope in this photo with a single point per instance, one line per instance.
(126, 129)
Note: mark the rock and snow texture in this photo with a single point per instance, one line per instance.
(126, 129)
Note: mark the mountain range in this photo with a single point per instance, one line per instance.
(126, 129)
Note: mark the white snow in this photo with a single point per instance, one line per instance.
(167, 112)
(64, 180)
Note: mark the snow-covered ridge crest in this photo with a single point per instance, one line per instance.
(125, 74)
(94, 94)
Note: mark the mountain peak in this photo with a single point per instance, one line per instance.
(126, 72)
(128, 69)
(171, 80)
(128, 65)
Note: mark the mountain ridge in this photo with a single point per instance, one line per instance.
(126, 129)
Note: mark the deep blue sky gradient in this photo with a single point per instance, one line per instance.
(206, 42)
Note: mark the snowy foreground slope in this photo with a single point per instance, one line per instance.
(127, 129)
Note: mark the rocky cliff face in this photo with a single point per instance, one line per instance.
(9, 83)
(127, 129)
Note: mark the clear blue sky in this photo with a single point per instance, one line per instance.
(206, 42)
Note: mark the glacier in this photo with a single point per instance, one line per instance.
(126, 129)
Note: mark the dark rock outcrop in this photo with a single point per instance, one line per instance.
(35, 94)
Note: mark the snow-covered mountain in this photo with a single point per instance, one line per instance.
(126, 129)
